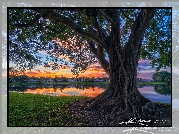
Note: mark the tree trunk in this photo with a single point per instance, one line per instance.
(122, 96)
(121, 100)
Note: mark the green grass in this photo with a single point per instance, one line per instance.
(27, 109)
(40, 110)
(168, 104)
(150, 83)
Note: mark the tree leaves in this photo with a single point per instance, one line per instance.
(157, 40)
(32, 31)
(162, 76)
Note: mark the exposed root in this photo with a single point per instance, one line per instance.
(113, 111)
(99, 99)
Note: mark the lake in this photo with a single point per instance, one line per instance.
(153, 93)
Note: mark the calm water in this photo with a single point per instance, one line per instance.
(159, 94)
(151, 94)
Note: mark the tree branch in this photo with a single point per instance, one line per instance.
(105, 16)
(98, 52)
(127, 16)
(50, 14)
(139, 27)
(59, 18)
(92, 14)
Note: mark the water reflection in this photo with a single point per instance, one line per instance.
(157, 93)
(68, 91)
(163, 89)
(62, 90)
(150, 93)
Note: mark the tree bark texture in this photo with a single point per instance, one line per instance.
(121, 100)
(122, 95)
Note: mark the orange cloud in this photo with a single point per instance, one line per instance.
(93, 71)
(65, 70)
(31, 73)
(65, 67)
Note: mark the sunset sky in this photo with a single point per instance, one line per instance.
(145, 71)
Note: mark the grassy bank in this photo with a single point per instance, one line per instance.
(150, 83)
(40, 110)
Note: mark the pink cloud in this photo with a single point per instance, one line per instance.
(145, 75)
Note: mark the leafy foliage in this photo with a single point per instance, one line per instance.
(162, 76)
(157, 47)
(63, 33)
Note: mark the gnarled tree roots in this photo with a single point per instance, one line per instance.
(116, 111)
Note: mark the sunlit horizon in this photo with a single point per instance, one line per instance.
(145, 71)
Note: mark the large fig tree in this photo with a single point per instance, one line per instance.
(116, 38)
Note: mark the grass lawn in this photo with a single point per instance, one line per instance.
(40, 110)
(27, 109)
(150, 83)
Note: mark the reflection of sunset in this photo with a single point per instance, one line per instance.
(90, 92)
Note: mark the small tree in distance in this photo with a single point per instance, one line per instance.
(162, 76)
